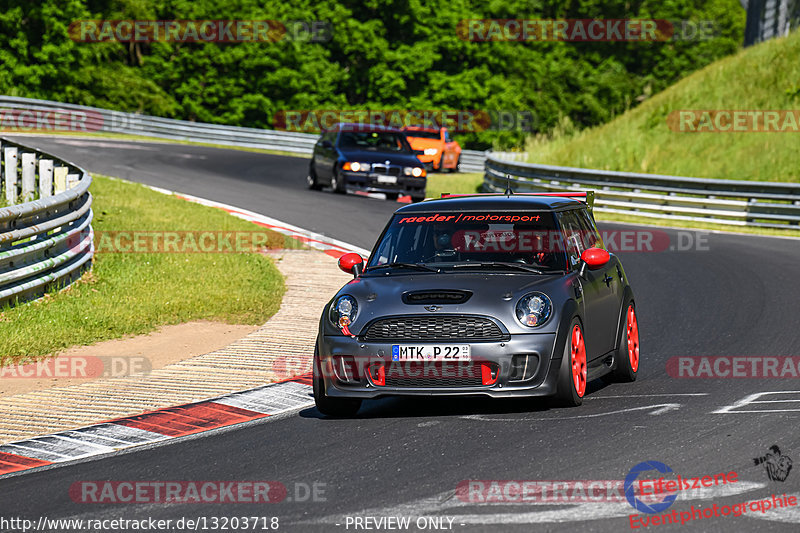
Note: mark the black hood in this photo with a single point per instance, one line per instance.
(373, 156)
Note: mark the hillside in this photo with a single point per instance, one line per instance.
(762, 78)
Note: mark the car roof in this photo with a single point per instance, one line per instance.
(498, 202)
(361, 127)
(422, 128)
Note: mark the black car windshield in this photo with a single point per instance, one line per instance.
(379, 141)
(485, 241)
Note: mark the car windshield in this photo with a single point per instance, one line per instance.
(487, 240)
(379, 141)
(424, 134)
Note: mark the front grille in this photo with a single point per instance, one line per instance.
(434, 328)
(419, 374)
(386, 171)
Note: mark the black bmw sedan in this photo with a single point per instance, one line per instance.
(360, 157)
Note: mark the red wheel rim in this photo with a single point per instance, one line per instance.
(633, 339)
(578, 351)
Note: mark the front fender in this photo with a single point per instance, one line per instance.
(569, 311)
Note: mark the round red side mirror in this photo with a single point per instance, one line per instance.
(351, 263)
(595, 258)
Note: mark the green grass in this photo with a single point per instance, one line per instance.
(762, 77)
(466, 183)
(135, 293)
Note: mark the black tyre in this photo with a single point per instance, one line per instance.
(333, 407)
(391, 196)
(627, 354)
(311, 179)
(416, 199)
(572, 374)
(337, 182)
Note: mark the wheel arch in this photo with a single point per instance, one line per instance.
(627, 299)
(568, 312)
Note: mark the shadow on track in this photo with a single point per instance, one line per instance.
(439, 406)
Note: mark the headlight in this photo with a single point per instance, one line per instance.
(417, 172)
(356, 167)
(534, 309)
(343, 311)
(431, 151)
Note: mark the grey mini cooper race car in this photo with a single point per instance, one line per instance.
(499, 295)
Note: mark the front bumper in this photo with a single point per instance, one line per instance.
(369, 182)
(496, 355)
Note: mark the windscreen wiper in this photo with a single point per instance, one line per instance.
(416, 266)
(503, 264)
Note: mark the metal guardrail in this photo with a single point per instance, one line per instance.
(45, 230)
(78, 118)
(767, 19)
(729, 202)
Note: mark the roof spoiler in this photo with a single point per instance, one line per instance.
(586, 197)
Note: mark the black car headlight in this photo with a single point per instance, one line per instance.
(343, 311)
(534, 309)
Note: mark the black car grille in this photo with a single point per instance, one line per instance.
(425, 375)
(386, 170)
(435, 328)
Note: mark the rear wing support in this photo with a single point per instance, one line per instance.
(586, 197)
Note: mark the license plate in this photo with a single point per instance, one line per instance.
(431, 352)
(386, 179)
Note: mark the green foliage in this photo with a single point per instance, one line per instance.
(384, 54)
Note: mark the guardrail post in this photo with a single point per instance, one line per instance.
(72, 180)
(28, 176)
(45, 178)
(10, 174)
(60, 177)
(51, 236)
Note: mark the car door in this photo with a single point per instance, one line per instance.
(450, 151)
(325, 156)
(596, 294)
(610, 294)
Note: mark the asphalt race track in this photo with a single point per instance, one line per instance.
(730, 296)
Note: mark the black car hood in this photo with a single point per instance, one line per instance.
(370, 156)
(492, 294)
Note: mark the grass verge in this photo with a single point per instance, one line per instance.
(135, 293)
(651, 139)
(465, 183)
